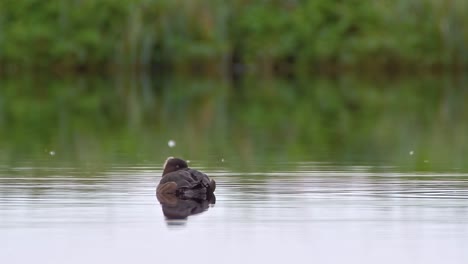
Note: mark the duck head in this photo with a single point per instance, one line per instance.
(174, 164)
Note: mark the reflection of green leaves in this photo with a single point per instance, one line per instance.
(343, 120)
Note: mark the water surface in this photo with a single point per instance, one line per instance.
(305, 212)
(317, 171)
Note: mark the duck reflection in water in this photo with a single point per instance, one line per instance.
(176, 208)
(183, 191)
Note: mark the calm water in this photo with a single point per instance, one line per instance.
(341, 170)
(318, 212)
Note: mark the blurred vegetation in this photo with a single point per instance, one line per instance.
(237, 35)
(130, 119)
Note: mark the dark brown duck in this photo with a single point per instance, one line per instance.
(179, 179)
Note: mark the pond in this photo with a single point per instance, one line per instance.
(318, 170)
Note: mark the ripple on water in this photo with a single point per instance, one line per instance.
(310, 207)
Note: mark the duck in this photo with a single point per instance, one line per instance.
(180, 180)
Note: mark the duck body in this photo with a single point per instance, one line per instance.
(180, 180)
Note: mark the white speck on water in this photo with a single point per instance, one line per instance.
(222, 160)
(411, 152)
(171, 143)
(52, 153)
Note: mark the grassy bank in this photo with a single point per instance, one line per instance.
(238, 35)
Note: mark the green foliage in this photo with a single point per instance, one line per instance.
(311, 33)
